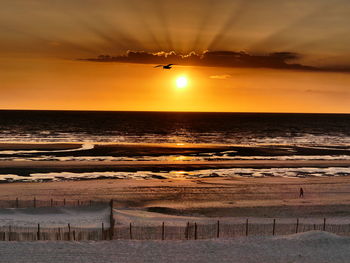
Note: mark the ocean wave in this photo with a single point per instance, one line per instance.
(205, 173)
(84, 146)
(167, 158)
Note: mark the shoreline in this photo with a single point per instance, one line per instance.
(164, 149)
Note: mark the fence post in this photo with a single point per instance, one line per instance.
(130, 231)
(59, 234)
(78, 202)
(111, 221)
(163, 231)
(195, 231)
(103, 231)
(64, 202)
(10, 233)
(69, 232)
(274, 227)
(34, 202)
(51, 202)
(38, 234)
(17, 204)
(187, 232)
(324, 224)
(246, 227)
(218, 229)
(297, 226)
(91, 202)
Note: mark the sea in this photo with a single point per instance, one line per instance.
(327, 135)
(175, 127)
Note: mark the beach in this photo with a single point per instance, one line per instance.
(208, 196)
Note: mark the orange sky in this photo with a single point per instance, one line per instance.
(40, 44)
(75, 85)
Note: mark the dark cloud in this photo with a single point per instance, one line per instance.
(277, 60)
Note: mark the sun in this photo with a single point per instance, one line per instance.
(181, 82)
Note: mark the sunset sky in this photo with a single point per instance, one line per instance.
(246, 56)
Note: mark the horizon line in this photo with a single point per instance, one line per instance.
(170, 111)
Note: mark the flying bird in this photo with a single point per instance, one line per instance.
(165, 66)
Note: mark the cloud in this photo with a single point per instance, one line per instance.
(227, 76)
(230, 59)
(327, 92)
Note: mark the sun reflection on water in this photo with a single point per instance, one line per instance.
(180, 158)
(178, 174)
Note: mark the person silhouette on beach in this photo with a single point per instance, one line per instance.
(301, 193)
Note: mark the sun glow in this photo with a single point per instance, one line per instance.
(181, 82)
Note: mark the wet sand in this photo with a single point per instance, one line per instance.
(39, 146)
(117, 150)
(25, 168)
(266, 197)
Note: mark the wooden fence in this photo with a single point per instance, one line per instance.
(164, 231)
(18, 203)
(190, 231)
(194, 231)
(68, 233)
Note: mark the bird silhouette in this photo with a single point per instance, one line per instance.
(165, 66)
